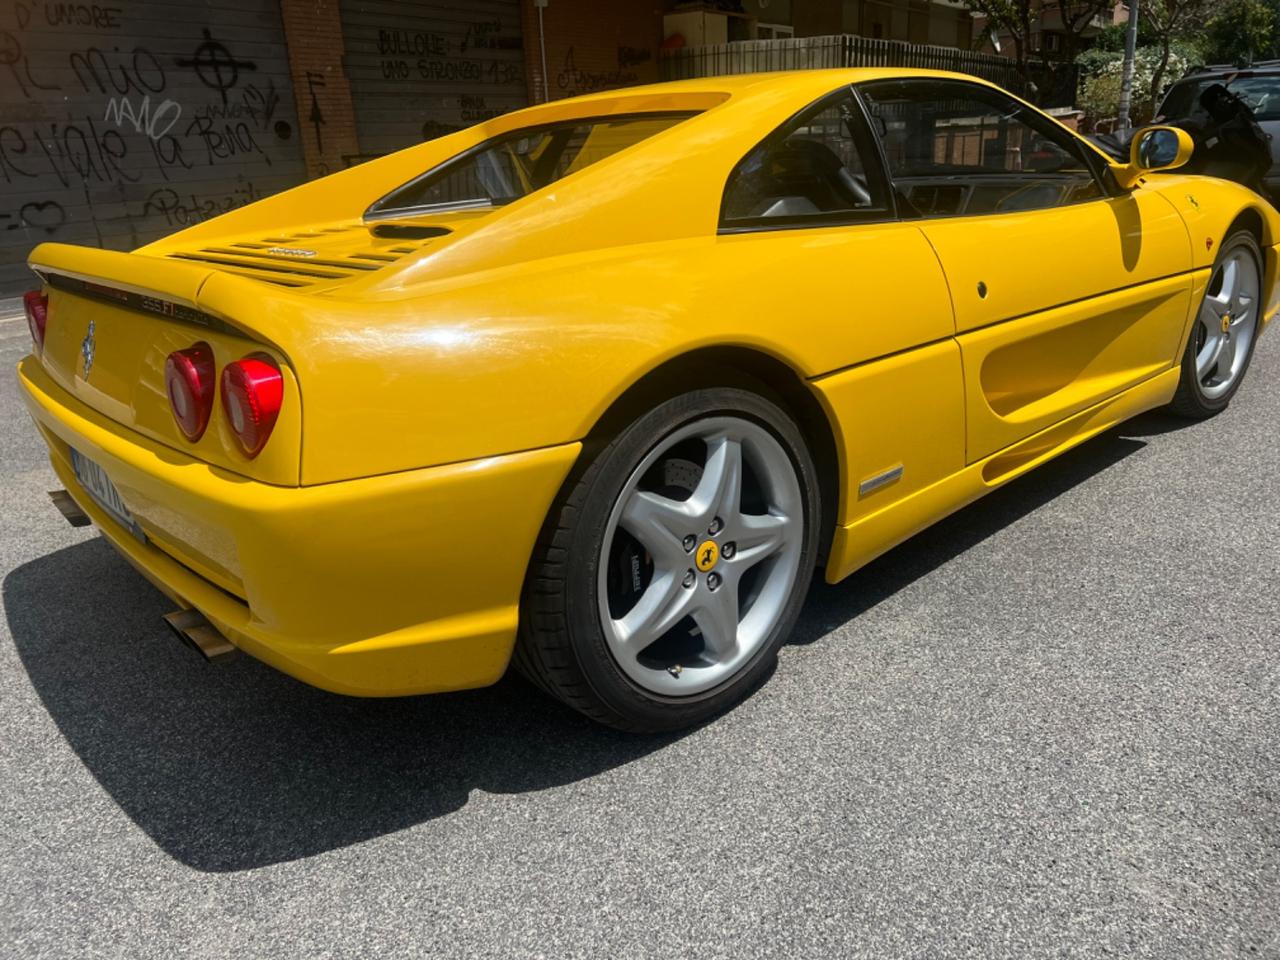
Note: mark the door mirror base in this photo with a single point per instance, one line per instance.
(1153, 149)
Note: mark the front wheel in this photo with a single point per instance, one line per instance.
(673, 569)
(1225, 330)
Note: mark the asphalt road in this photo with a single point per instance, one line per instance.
(1048, 727)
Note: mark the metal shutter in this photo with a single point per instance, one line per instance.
(122, 123)
(424, 68)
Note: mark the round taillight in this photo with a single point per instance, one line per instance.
(189, 378)
(36, 306)
(252, 391)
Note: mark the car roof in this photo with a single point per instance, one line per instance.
(764, 83)
(1265, 67)
(700, 94)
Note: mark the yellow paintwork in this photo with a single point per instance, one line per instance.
(437, 396)
(356, 586)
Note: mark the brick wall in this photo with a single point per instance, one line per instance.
(591, 45)
(326, 118)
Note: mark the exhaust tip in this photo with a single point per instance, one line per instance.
(69, 508)
(198, 633)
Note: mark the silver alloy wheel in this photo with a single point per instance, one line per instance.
(1227, 323)
(727, 571)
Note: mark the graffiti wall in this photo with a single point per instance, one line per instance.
(422, 68)
(121, 122)
(591, 46)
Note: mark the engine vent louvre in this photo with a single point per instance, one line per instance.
(286, 259)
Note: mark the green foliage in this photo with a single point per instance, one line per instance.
(1191, 50)
(1095, 59)
(1243, 31)
(1111, 37)
(1101, 75)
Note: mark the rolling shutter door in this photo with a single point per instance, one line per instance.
(121, 123)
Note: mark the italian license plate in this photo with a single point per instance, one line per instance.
(99, 486)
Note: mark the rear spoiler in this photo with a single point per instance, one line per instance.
(176, 282)
(178, 290)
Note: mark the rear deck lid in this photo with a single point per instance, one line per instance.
(320, 259)
(114, 318)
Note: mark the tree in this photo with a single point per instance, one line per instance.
(1165, 22)
(1243, 31)
(1077, 18)
(1101, 75)
(1016, 18)
(1012, 17)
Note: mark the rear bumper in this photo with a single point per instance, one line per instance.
(397, 584)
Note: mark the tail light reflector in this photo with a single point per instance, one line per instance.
(36, 306)
(190, 378)
(252, 391)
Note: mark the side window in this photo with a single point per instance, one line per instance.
(811, 170)
(960, 149)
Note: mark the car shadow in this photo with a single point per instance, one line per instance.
(1155, 423)
(830, 605)
(231, 767)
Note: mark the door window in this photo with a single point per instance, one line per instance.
(812, 170)
(960, 149)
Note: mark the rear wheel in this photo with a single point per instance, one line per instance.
(673, 569)
(1222, 339)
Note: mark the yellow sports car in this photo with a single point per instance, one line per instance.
(595, 386)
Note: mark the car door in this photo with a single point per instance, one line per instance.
(808, 216)
(1065, 293)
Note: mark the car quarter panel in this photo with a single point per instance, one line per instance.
(1209, 207)
(533, 355)
(899, 426)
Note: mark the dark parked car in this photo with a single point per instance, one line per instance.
(1234, 115)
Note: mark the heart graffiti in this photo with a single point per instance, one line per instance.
(46, 215)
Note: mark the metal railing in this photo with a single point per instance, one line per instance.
(1055, 83)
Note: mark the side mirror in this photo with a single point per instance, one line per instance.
(1153, 149)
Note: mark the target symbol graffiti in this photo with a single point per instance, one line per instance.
(215, 66)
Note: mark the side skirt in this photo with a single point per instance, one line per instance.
(860, 542)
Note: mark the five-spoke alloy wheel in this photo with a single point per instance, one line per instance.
(700, 555)
(675, 565)
(1221, 342)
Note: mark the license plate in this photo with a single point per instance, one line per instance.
(99, 486)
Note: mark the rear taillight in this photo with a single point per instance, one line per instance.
(36, 305)
(252, 391)
(190, 378)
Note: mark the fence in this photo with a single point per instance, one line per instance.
(1055, 83)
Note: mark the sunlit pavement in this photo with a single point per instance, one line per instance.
(1048, 727)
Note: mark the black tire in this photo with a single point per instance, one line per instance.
(1189, 400)
(562, 644)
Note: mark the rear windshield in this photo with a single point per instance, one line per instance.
(1260, 94)
(516, 164)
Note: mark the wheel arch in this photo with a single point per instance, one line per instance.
(747, 368)
(1262, 226)
(1251, 219)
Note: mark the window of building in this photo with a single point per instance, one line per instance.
(774, 31)
(960, 149)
